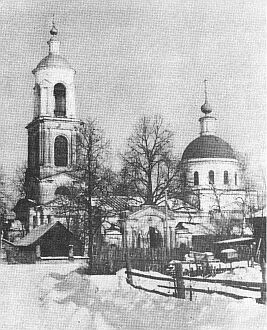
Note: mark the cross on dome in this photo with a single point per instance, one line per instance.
(206, 108)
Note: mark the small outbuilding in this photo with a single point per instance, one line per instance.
(48, 240)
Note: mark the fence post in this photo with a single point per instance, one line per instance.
(190, 293)
(38, 252)
(127, 258)
(71, 252)
(263, 286)
(180, 288)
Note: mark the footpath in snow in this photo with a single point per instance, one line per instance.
(44, 296)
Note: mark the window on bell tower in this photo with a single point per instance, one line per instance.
(61, 151)
(60, 100)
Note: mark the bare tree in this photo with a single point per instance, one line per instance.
(82, 205)
(19, 182)
(4, 196)
(149, 164)
(220, 219)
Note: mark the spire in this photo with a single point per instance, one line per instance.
(206, 108)
(207, 123)
(53, 43)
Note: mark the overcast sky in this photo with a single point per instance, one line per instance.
(140, 57)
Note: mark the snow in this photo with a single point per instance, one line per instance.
(55, 296)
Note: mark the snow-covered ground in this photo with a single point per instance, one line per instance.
(44, 296)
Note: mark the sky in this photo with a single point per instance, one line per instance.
(137, 58)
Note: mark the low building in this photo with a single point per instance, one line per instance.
(48, 240)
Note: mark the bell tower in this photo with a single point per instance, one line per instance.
(53, 130)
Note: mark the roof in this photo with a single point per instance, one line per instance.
(5, 241)
(196, 229)
(236, 240)
(151, 210)
(117, 203)
(24, 204)
(260, 214)
(53, 60)
(228, 250)
(208, 146)
(36, 234)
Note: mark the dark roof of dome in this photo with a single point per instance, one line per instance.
(208, 146)
(53, 60)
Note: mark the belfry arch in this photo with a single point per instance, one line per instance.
(60, 100)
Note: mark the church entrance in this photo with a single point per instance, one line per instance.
(155, 238)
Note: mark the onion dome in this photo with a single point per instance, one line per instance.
(54, 30)
(206, 108)
(208, 146)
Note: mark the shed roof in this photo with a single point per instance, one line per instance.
(236, 240)
(37, 233)
(196, 229)
(5, 241)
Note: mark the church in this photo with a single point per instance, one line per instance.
(212, 181)
(213, 197)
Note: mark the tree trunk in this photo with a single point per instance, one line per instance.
(149, 199)
(90, 251)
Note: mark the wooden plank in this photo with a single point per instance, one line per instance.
(226, 282)
(197, 279)
(169, 279)
(227, 294)
(238, 287)
(152, 291)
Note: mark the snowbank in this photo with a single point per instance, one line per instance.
(56, 297)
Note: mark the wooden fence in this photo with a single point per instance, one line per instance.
(109, 260)
(177, 286)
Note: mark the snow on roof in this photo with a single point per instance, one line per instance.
(5, 241)
(196, 229)
(260, 214)
(236, 240)
(36, 234)
(228, 250)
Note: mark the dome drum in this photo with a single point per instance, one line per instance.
(225, 173)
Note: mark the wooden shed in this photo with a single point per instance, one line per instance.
(48, 240)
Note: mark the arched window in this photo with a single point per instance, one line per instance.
(225, 177)
(62, 190)
(61, 151)
(60, 100)
(196, 179)
(236, 179)
(211, 177)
